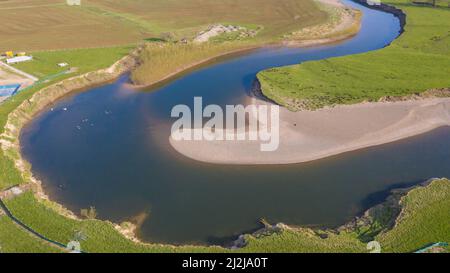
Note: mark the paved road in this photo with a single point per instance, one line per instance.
(20, 72)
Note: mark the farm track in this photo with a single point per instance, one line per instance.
(20, 72)
(33, 6)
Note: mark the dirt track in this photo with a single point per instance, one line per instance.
(8, 76)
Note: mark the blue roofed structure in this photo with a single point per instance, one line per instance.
(9, 90)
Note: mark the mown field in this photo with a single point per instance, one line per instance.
(83, 60)
(36, 25)
(417, 61)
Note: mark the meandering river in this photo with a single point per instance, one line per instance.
(108, 148)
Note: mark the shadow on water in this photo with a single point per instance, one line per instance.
(368, 202)
(255, 92)
(228, 241)
(379, 197)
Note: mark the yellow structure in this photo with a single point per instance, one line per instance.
(21, 54)
(9, 54)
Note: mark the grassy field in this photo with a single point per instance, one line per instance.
(425, 219)
(417, 61)
(45, 62)
(305, 241)
(13, 239)
(36, 25)
(159, 60)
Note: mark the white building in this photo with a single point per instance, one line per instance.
(19, 59)
(73, 2)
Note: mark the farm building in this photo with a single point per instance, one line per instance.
(19, 59)
(73, 2)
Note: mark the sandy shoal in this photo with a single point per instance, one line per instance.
(311, 135)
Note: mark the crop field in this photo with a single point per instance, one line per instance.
(36, 25)
(51, 24)
(84, 60)
(417, 61)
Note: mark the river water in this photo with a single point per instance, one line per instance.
(108, 148)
